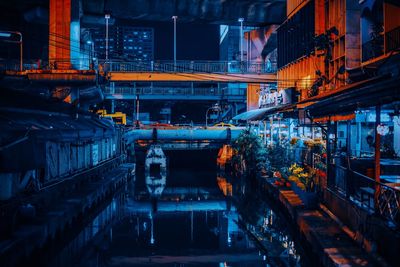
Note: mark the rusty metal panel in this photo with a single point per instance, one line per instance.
(252, 96)
(64, 158)
(73, 152)
(87, 159)
(52, 159)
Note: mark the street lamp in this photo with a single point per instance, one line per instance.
(107, 17)
(8, 34)
(215, 107)
(240, 38)
(175, 18)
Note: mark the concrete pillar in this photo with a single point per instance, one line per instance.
(75, 35)
(112, 106)
(59, 34)
(377, 156)
(64, 34)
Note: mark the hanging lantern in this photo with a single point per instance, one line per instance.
(382, 129)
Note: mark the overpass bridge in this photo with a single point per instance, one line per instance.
(146, 71)
(190, 71)
(112, 78)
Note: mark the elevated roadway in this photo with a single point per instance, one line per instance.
(190, 71)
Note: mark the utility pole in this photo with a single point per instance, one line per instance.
(241, 38)
(107, 17)
(175, 18)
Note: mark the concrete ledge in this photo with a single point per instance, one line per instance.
(322, 234)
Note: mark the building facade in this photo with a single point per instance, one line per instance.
(125, 43)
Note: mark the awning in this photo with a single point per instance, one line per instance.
(253, 115)
(259, 114)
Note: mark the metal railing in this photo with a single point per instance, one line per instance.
(186, 66)
(392, 39)
(175, 91)
(378, 47)
(372, 49)
(360, 189)
(79, 64)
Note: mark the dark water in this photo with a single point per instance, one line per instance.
(198, 222)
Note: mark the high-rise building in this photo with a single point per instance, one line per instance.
(124, 42)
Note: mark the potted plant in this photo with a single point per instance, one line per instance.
(303, 184)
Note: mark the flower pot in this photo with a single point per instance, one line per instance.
(309, 198)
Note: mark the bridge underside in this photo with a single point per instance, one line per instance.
(254, 12)
(190, 77)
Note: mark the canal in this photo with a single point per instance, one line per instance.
(204, 217)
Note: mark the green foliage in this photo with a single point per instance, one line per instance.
(277, 157)
(251, 151)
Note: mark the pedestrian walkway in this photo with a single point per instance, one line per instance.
(326, 238)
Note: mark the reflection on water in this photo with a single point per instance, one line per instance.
(233, 226)
(258, 219)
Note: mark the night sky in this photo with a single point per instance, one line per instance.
(194, 41)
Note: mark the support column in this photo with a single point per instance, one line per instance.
(329, 144)
(59, 34)
(348, 139)
(75, 43)
(112, 106)
(358, 144)
(377, 156)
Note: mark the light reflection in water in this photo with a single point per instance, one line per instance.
(190, 231)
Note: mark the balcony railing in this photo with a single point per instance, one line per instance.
(360, 189)
(190, 66)
(372, 49)
(393, 39)
(380, 45)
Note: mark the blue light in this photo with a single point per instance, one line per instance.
(5, 34)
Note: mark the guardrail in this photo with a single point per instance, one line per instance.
(190, 66)
(79, 64)
(182, 66)
(392, 39)
(360, 189)
(175, 91)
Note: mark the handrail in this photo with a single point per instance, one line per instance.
(183, 66)
(353, 184)
(186, 66)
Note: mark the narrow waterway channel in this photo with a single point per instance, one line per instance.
(204, 217)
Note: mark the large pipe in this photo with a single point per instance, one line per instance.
(182, 134)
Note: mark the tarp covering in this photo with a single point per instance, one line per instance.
(253, 115)
(261, 113)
